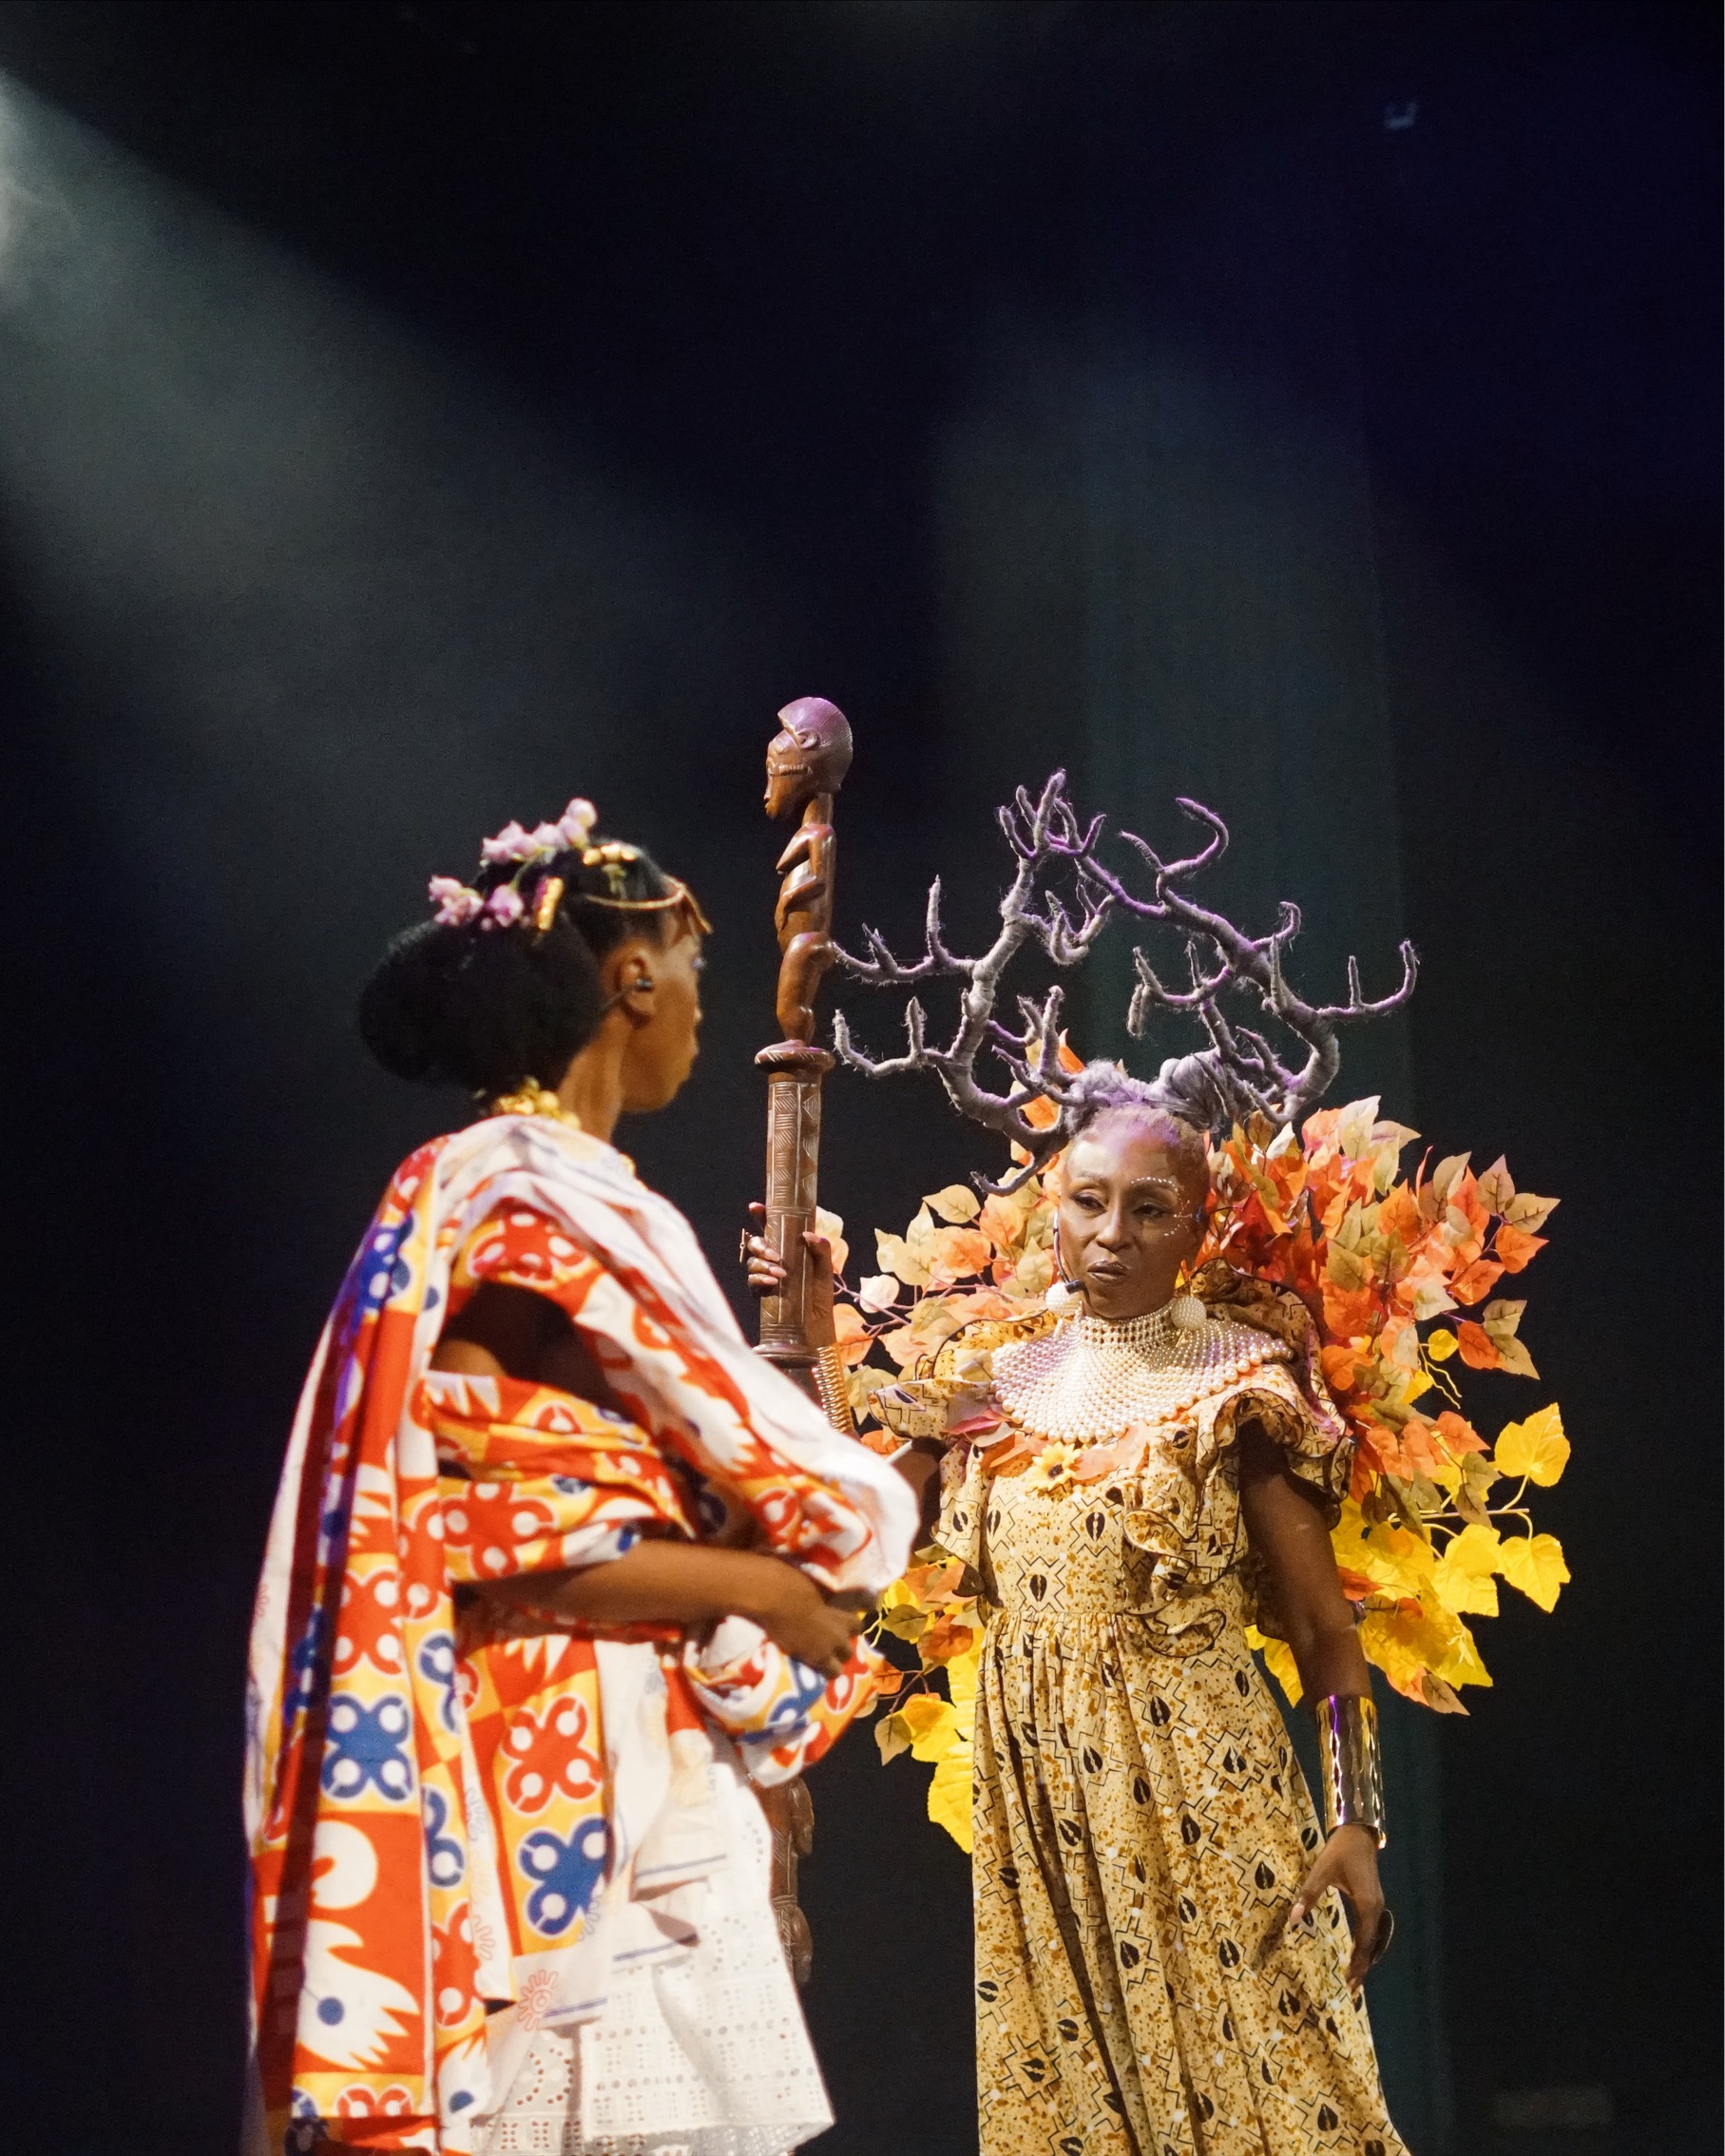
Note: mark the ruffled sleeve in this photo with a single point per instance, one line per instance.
(1182, 1504)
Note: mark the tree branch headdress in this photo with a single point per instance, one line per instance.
(1236, 1075)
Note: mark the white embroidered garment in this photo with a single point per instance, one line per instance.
(705, 2055)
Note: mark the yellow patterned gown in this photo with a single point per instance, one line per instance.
(1141, 1823)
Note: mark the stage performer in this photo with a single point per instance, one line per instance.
(1128, 1477)
(559, 1567)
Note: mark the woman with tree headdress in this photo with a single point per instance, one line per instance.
(1136, 1477)
(558, 1567)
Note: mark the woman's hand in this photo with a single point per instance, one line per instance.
(796, 1616)
(1347, 1861)
(767, 1275)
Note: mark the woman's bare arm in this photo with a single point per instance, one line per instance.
(510, 1332)
(661, 1581)
(920, 1466)
(1289, 1534)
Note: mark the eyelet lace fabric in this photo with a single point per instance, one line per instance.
(702, 2056)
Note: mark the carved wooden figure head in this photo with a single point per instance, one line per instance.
(809, 757)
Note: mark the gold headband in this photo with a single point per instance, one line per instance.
(679, 897)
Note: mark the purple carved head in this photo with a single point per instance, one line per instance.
(810, 756)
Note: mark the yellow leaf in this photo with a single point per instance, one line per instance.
(931, 1726)
(1514, 1358)
(1462, 1664)
(891, 1737)
(949, 1797)
(1278, 1659)
(957, 1205)
(1537, 1448)
(1442, 1344)
(1535, 1564)
(1389, 1557)
(1497, 1187)
(833, 1227)
(1475, 1551)
(1355, 1125)
(1461, 1579)
(895, 1255)
(1448, 1174)
(1529, 1213)
(1398, 1642)
(960, 1684)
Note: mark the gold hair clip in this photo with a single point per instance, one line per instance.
(544, 906)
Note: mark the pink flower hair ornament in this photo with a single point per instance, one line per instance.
(571, 829)
(459, 903)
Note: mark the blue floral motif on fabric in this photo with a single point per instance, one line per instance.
(796, 1704)
(445, 1858)
(437, 1661)
(379, 1272)
(569, 1874)
(307, 1674)
(366, 1746)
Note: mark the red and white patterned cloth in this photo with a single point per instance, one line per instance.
(449, 1816)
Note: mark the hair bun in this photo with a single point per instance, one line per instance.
(488, 1006)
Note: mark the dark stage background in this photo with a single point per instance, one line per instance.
(412, 414)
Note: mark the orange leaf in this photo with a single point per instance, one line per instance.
(1477, 1279)
(955, 1253)
(1001, 1223)
(944, 1639)
(1515, 1249)
(1459, 1433)
(1347, 1314)
(1337, 1364)
(1399, 1214)
(1041, 1114)
(938, 1582)
(1479, 1350)
(980, 1303)
(1378, 1448)
(1416, 1446)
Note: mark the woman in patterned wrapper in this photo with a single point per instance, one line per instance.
(559, 1566)
(1130, 1476)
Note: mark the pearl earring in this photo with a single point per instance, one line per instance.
(1064, 1292)
(1187, 1311)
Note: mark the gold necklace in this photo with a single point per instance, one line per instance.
(531, 1098)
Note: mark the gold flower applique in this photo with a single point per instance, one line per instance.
(1052, 1467)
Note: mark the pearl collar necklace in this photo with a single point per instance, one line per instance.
(1092, 1380)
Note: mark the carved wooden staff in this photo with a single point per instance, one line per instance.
(806, 764)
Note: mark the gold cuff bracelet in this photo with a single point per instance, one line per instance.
(834, 1391)
(1348, 1747)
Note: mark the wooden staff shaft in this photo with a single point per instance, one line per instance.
(795, 1070)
